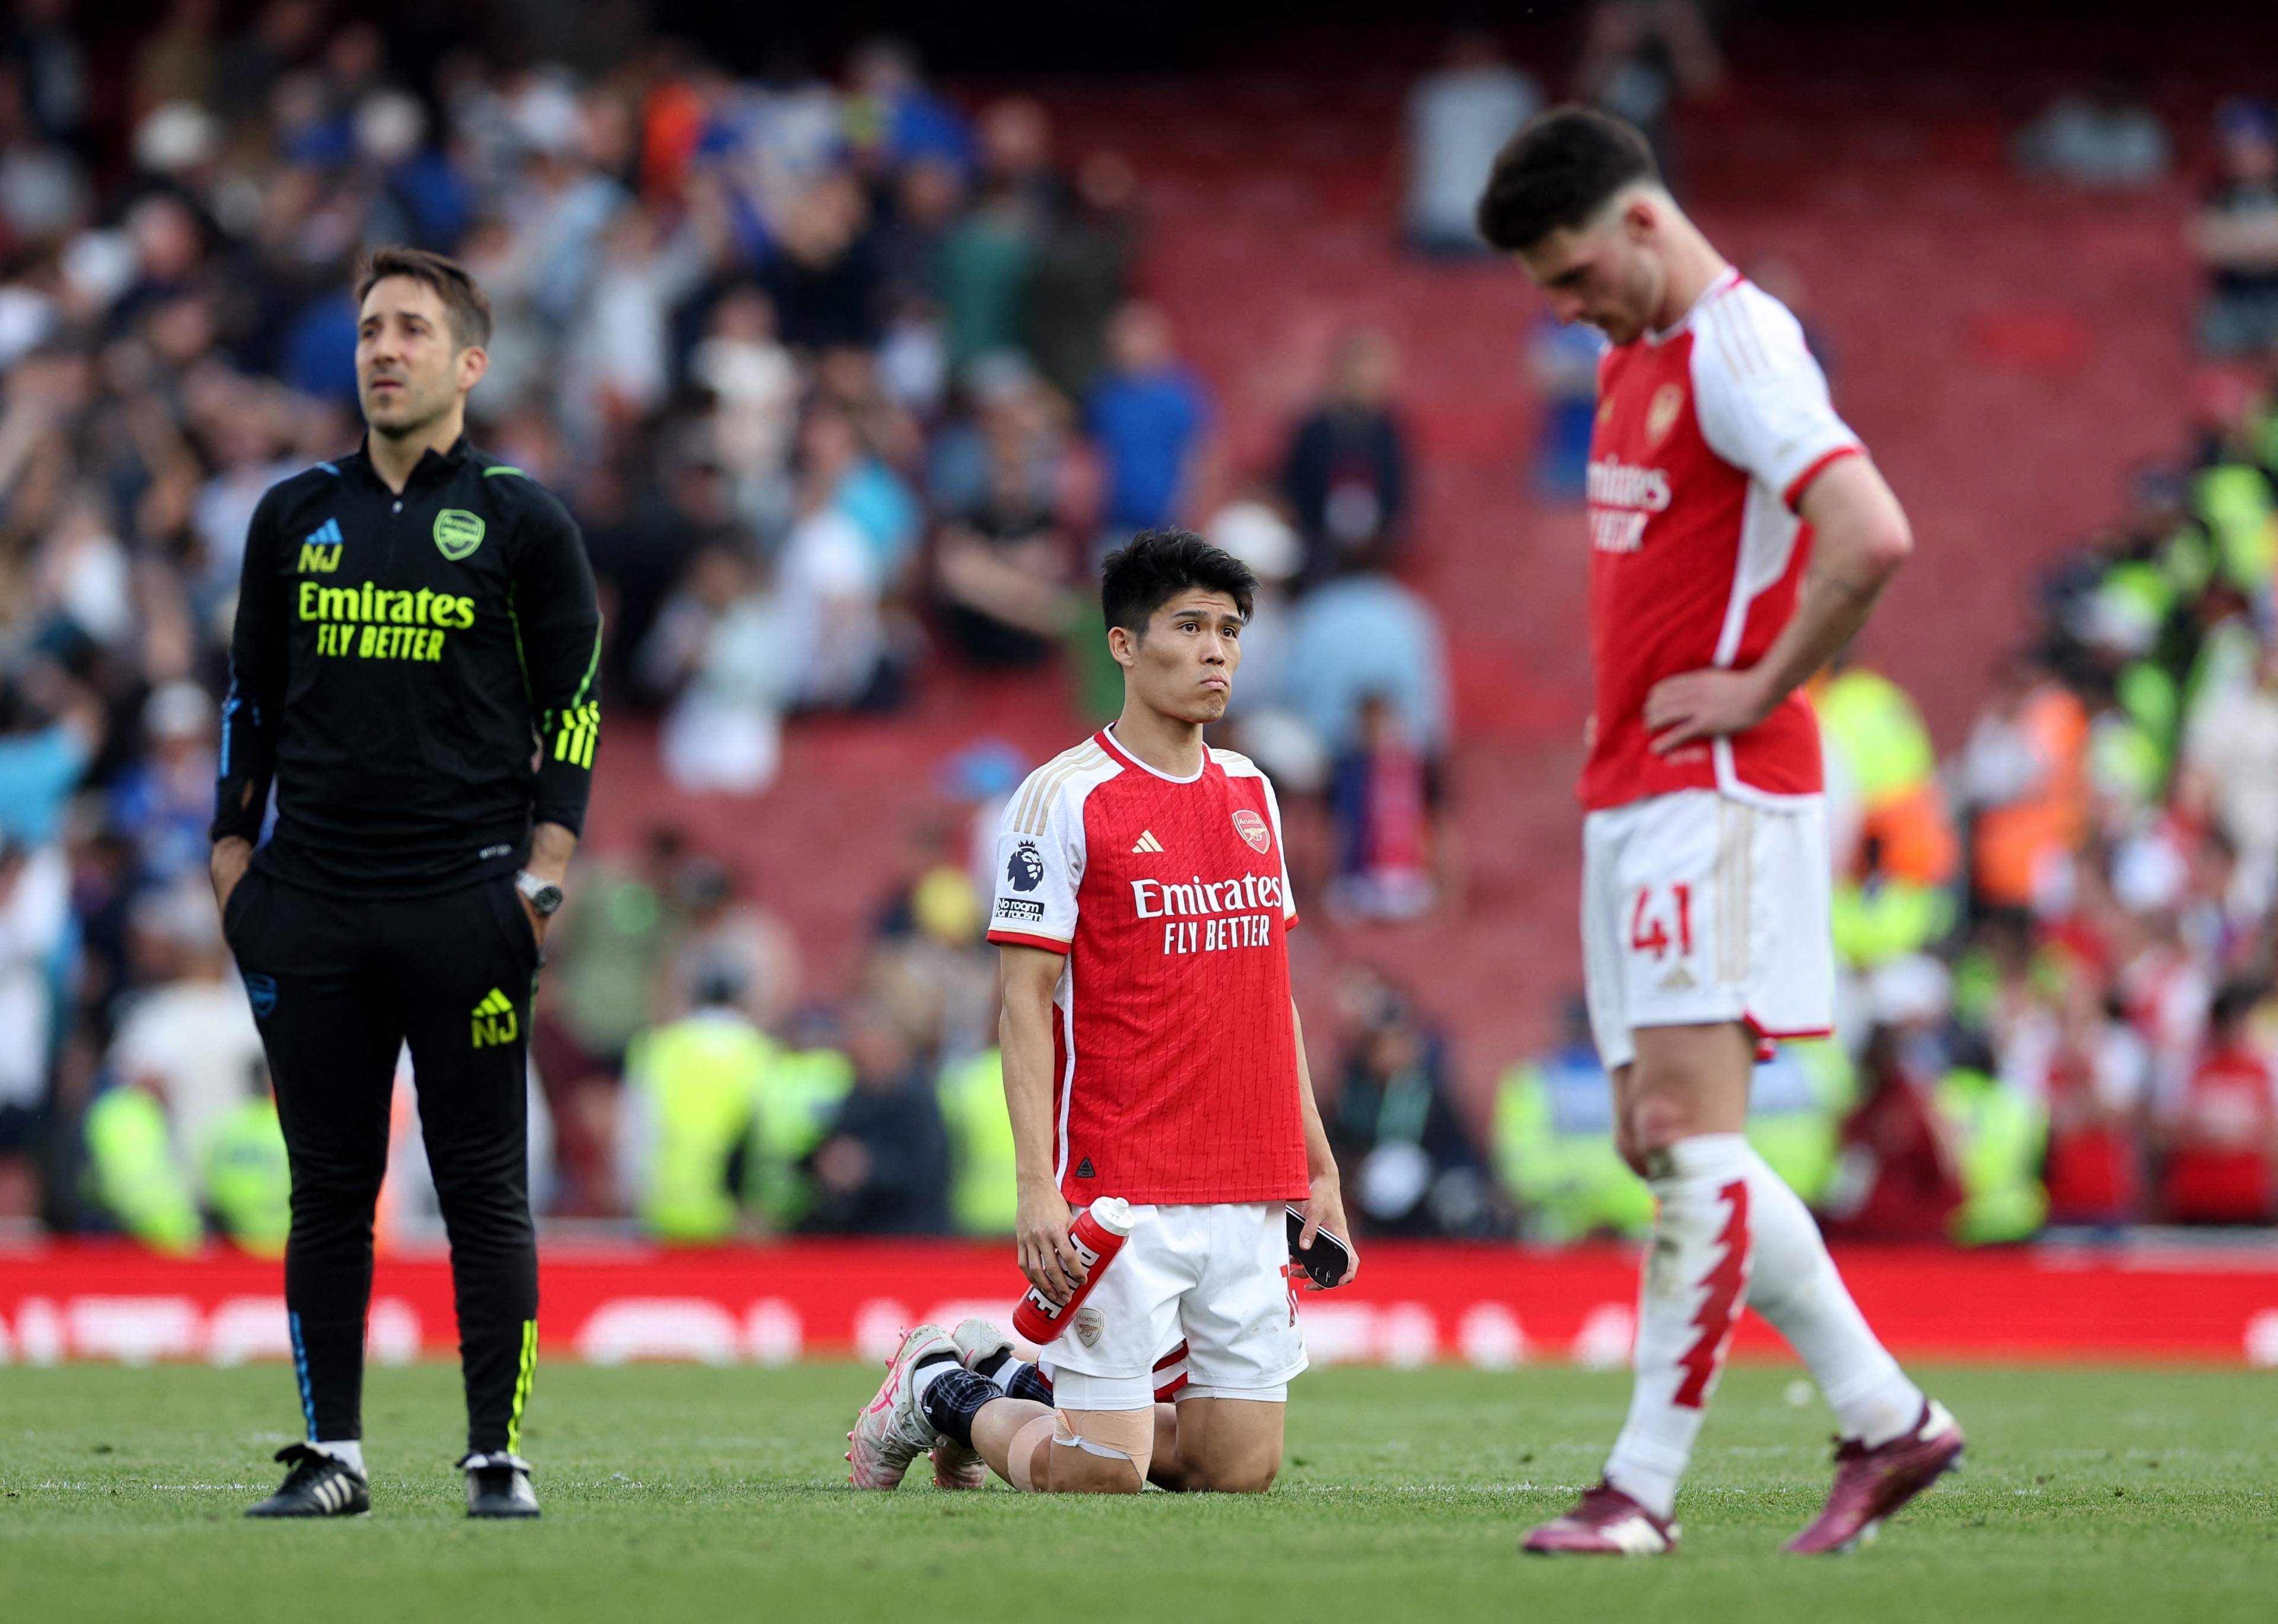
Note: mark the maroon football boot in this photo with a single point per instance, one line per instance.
(1604, 1522)
(1870, 1485)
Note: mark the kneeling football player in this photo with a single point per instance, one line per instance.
(1151, 1052)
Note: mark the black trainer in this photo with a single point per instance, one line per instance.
(499, 1486)
(319, 1485)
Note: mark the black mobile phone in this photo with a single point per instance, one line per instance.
(1327, 1260)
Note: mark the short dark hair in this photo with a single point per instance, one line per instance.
(1558, 171)
(1154, 567)
(465, 305)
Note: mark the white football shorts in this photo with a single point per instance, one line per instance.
(1214, 1274)
(1698, 909)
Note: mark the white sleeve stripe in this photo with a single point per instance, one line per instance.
(1724, 343)
(1737, 341)
(1758, 396)
(1754, 338)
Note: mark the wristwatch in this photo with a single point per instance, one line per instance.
(543, 895)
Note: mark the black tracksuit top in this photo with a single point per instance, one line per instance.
(416, 672)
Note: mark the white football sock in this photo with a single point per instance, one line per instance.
(347, 1451)
(1795, 1286)
(1696, 1280)
(927, 1375)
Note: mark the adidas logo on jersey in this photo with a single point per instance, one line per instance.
(320, 548)
(1147, 842)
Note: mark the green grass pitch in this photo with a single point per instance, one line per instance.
(680, 1492)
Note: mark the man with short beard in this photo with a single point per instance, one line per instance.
(413, 671)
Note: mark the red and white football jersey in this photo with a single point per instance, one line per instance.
(1706, 435)
(1176, 1070)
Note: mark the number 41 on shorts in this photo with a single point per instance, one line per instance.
(1654, 928)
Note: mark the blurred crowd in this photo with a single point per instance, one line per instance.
(847, 383)
(850, 383)
(2105, 136)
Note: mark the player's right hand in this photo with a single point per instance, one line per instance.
(1048, 1257)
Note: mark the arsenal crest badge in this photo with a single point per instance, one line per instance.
(1661, 414)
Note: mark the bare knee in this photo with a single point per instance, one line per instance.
(1657, 1122)
(1686, 1080)
(1230, 1445)
(1236, 1477)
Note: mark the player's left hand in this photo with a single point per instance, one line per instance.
(1324, 1209)
(1703, 705)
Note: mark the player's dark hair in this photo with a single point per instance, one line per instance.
(1154, 567)
(465, 305)
(1558, 171)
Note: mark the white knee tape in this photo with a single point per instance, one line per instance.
(1117, 1434)
(1023, 1451)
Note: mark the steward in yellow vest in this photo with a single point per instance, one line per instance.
(693, 1090)
(131, 1162)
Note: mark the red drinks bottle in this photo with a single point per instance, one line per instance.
(1098, 1234)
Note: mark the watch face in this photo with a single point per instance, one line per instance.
(546, 899)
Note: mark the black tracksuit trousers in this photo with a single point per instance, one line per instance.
(338, 986)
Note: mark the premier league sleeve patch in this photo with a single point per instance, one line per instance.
(1034, 904)
(1024, 872)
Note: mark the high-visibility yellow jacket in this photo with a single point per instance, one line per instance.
(804, 1091)
(248, 1180)
(1998, 1138)
(696, 1084)
(1554, 1151)
(983, 1196)
(131, 1162)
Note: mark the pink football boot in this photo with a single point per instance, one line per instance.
(892, 1431)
